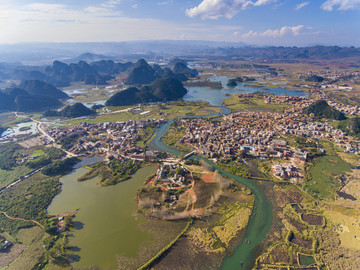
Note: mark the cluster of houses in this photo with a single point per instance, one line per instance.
(333, 75)
(287, 172)
(114, 139)
(257, 134)
(346, 109)
(171, 177)
(282, 99)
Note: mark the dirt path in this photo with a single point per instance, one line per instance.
(13, 218)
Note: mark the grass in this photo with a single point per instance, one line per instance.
(18, 120)
(145, 135)
(235, 217)
(323, 183)
(157, 111)
(9, 176)
(254, 104)
(30, 257)
(172, 138)
(38, 153)
(348, 230)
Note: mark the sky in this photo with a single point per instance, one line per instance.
(255, 22)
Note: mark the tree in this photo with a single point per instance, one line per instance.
(180, 171)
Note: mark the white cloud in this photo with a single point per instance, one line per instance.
(342, 4)
(111, 3)
(62, 23)
(283, 31)
(301, 5)
(214, 9)
(165, 3)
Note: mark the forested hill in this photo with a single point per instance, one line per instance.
(320, 109)
(32, 95)
(71, 111)
(160, 90)
(351, 126)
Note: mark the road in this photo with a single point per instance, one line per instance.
(42, 131)
(37, 223)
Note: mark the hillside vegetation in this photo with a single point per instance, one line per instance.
(351, 126)
(32, 95)
(71, 111)
(160, 90)
(321, 109)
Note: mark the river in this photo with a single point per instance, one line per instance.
(105, 225)
(260, 220)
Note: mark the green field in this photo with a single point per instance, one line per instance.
(323, 182)
(172, 138)
(156, 111)
(236, 104)
(9, 176)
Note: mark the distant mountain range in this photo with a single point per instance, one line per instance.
(142, 73)
(100, 72)
(37, 93)
(41, 53)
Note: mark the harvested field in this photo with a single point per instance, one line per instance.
(185, 256)
(287, 195)
(31, 142)
(7, 257)
(202, 191)
(298, 225)
(280, 254)
(301, 241)
(312, 219)
(335, 255)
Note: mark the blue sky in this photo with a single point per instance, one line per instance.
(261, 22)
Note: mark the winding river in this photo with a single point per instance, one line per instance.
(101, 234)
(260, 220)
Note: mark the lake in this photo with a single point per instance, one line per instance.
(216, 97)
(105, 224)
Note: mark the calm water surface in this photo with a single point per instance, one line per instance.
(216, 97)
(105, 225)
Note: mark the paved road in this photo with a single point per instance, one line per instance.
(42, 131)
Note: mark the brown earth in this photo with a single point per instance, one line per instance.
(312, 219)
(301, 242)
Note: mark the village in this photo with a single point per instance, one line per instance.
(333, 75)
(264, 135)
(109, 139)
